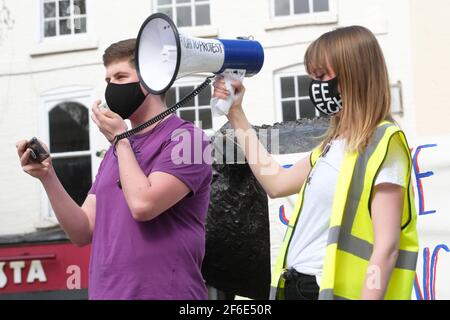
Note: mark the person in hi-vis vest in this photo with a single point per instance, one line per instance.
(352, 234)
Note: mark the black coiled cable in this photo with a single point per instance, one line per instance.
(164, 114)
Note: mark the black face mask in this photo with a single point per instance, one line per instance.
(325, 96)
(124, 99)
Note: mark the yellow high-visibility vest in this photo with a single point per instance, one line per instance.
(350, 239)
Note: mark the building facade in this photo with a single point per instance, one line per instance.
(51, 72)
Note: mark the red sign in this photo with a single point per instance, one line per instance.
(44, 267)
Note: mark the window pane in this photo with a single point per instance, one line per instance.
(321, 5)
(50, 10)
(79, 6)
(183, 1)
(289, 112)
(303, 86)
(188, 115)
(205, 118)
(307, 109)
(80, 25)
(282, 7)
(204, 98)
(69, 128)
(64, 8)
(301, 6)
(65, 26)
(184, 91)
(50, 28)
(202, 15)
(75, 176)
(184, 17)
(163, 2)
(167, 11)
(170, 97)
(288, 87)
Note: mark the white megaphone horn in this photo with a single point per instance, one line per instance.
(164, 55)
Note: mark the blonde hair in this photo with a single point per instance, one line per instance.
(358, 61)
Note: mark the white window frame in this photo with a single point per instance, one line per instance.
(50, 99)
(192, 4)
(72, 17)
(63, 43)
(311, 18)
(296, 71)
(291, 9)
(195, 82)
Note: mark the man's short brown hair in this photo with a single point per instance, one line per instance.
(120, 51)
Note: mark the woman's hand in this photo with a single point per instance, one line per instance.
(221, 92)
(36, 170)
(109, 123)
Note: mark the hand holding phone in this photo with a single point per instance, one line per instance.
(37, 151)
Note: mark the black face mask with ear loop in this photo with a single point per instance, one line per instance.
(325, 96)
(124, 99)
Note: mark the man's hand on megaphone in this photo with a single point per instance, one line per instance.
(221, 92)
(108, 122)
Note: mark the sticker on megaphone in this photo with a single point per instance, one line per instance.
(221, 107)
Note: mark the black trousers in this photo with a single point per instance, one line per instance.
(299, 286)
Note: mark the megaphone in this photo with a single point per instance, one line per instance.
(164, 55)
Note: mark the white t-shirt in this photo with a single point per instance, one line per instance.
(306, 252)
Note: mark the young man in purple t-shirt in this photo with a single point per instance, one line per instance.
(145, 213)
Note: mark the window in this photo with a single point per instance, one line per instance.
(295, 101)
(69, 145)
(197, 110)
(74, 141)
(186, 13)
(64, 17)
(296, 7)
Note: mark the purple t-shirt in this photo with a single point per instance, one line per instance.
(161, 258)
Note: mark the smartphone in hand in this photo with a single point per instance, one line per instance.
(38, 153)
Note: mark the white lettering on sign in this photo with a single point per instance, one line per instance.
(3, 279)
(35, 272)
(17, 266)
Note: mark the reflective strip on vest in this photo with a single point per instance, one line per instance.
(363, 249)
